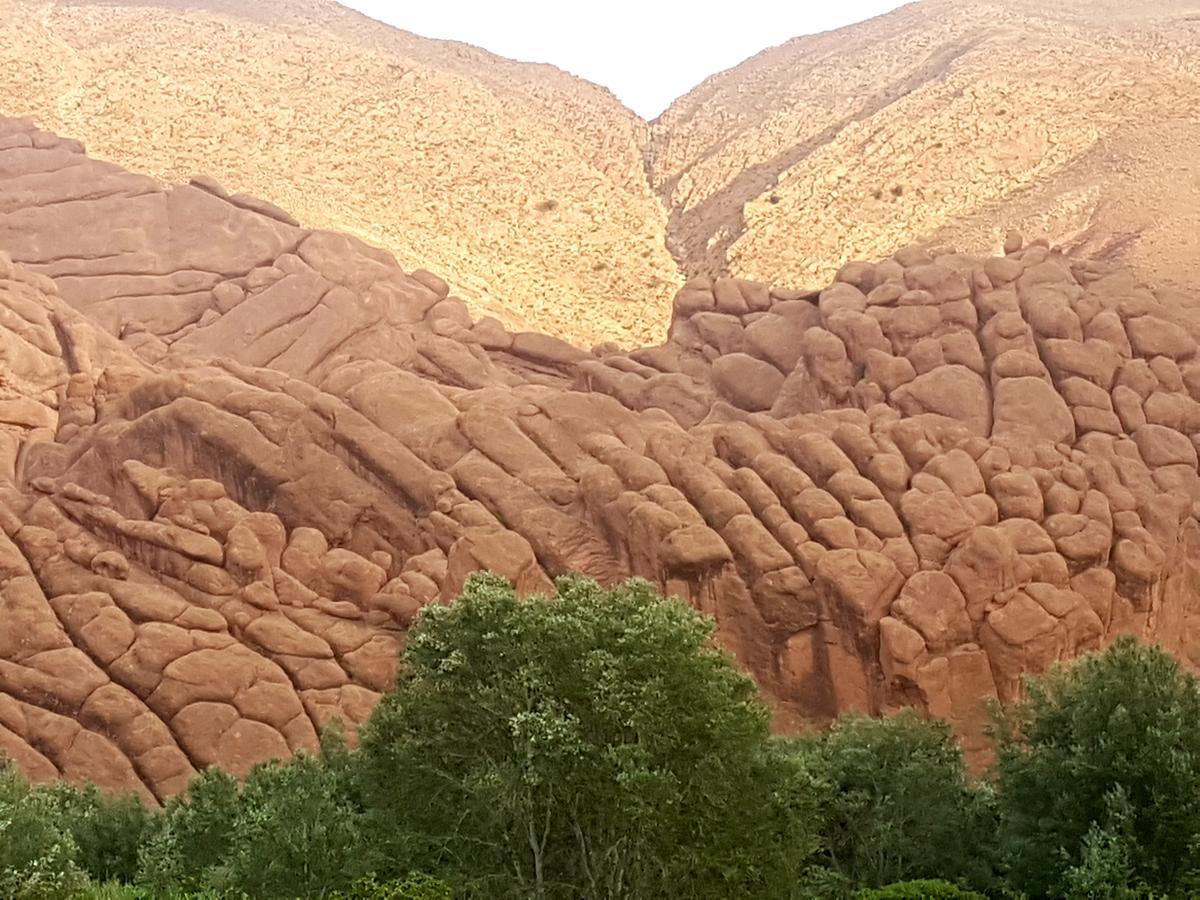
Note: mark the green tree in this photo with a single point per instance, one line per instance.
(193, 837)
(593, 744)
(296, 833)
(1099, 776)
(108, 829)
(37, 853)
(1103, 871)
(900, 804)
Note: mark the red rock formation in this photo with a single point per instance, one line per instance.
(238, 456)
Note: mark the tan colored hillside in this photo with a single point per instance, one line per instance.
(948, 121)
(546, 203)
(523, 186)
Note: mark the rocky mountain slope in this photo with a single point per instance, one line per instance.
(545, 203)
(523, 186)
(237, 456)
(947, 121)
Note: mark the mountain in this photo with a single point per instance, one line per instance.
(238, 456)
(946, 122)
(546, 204)
(523, 186)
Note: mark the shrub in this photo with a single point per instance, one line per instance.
(919, 890)
(295, 833)
(1099, 775)
(37, 852)
(411, 887)
(108, 830)
(900, 803)
(193, 837)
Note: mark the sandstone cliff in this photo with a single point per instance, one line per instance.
(237, 456)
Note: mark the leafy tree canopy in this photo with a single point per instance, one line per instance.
(901, 804)
(592, 744)
(1099, 775)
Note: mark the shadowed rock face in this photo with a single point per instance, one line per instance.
(238, 456)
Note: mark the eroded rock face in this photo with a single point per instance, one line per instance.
(547, 204)
(237, 457)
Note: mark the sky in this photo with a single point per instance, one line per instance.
(647, 52)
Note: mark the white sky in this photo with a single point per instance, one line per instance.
(647, 52)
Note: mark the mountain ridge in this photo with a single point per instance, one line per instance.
(546, 203)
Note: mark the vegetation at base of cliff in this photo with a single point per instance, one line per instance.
(599, 744)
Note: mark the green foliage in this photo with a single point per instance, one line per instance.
(901, 805)
(411, 887)
(295, 833)
(108, 830)
(1104, 870)
(919, 890)
(289, 831)
(1099, 777)
(598, 745)
(193, 837)
(37, 853)
(114, 891)
(595, 744)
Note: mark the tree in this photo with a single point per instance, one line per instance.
(295, 833)
(901, 805)
(193, 837)
(1099, 775)
(37, 853)
(108, 829)
(593, 744)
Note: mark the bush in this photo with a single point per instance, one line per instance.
(108, 830)
(592, 744)
(411, 887)
(295, 833)
(919, 890)
(901, 805)
(114, 891)
(37, 852)
(193, 837)
(1099, 776)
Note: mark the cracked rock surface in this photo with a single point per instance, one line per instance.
(238, 456)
